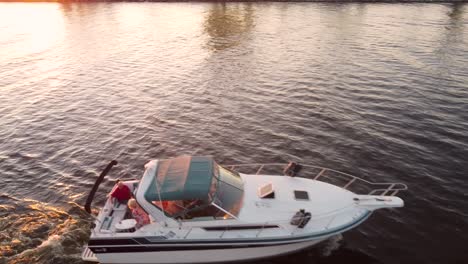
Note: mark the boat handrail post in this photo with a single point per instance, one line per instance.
(259, 169)
(160, 201)
(222, 209)
(190, 230)
(329, 222)
(224, 231)
(320, 173)
(349, 183)
(377, 190)
(261, 230)
(388, 189)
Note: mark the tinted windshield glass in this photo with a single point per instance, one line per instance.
(230, 177)
(229, 190)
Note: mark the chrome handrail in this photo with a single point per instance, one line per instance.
(385, 189)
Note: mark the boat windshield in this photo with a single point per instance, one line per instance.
(227, 190)
(223, 199)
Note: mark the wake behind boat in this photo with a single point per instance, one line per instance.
(203, 212)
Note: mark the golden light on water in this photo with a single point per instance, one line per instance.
(39, 227)
(83, 82)
(37, 27)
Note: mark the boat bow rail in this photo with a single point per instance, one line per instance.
(341, 179)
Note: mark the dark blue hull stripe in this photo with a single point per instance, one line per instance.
(136, 249)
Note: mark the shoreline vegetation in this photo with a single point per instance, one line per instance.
(239, 1)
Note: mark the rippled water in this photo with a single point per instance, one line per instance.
(376, 90)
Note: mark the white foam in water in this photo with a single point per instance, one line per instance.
(49, 248)
(52, 241)
(331, 245)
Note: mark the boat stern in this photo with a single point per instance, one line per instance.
(88, 255)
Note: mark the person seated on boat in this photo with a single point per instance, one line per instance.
(138, 213)
(121, 194)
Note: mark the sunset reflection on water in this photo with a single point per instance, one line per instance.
(34, 28)
(376, 90)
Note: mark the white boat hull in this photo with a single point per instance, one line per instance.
(298, 213)
(206, 256)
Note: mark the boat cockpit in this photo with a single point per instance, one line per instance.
(194, 189)
(183, 189)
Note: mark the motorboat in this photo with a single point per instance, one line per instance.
(204, 212)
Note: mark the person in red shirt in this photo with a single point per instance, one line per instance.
(122, 193)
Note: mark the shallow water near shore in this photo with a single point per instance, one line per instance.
(375, 90)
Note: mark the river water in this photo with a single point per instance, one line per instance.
(375, 90)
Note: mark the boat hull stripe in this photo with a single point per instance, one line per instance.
(133, 249)
(97, 244)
